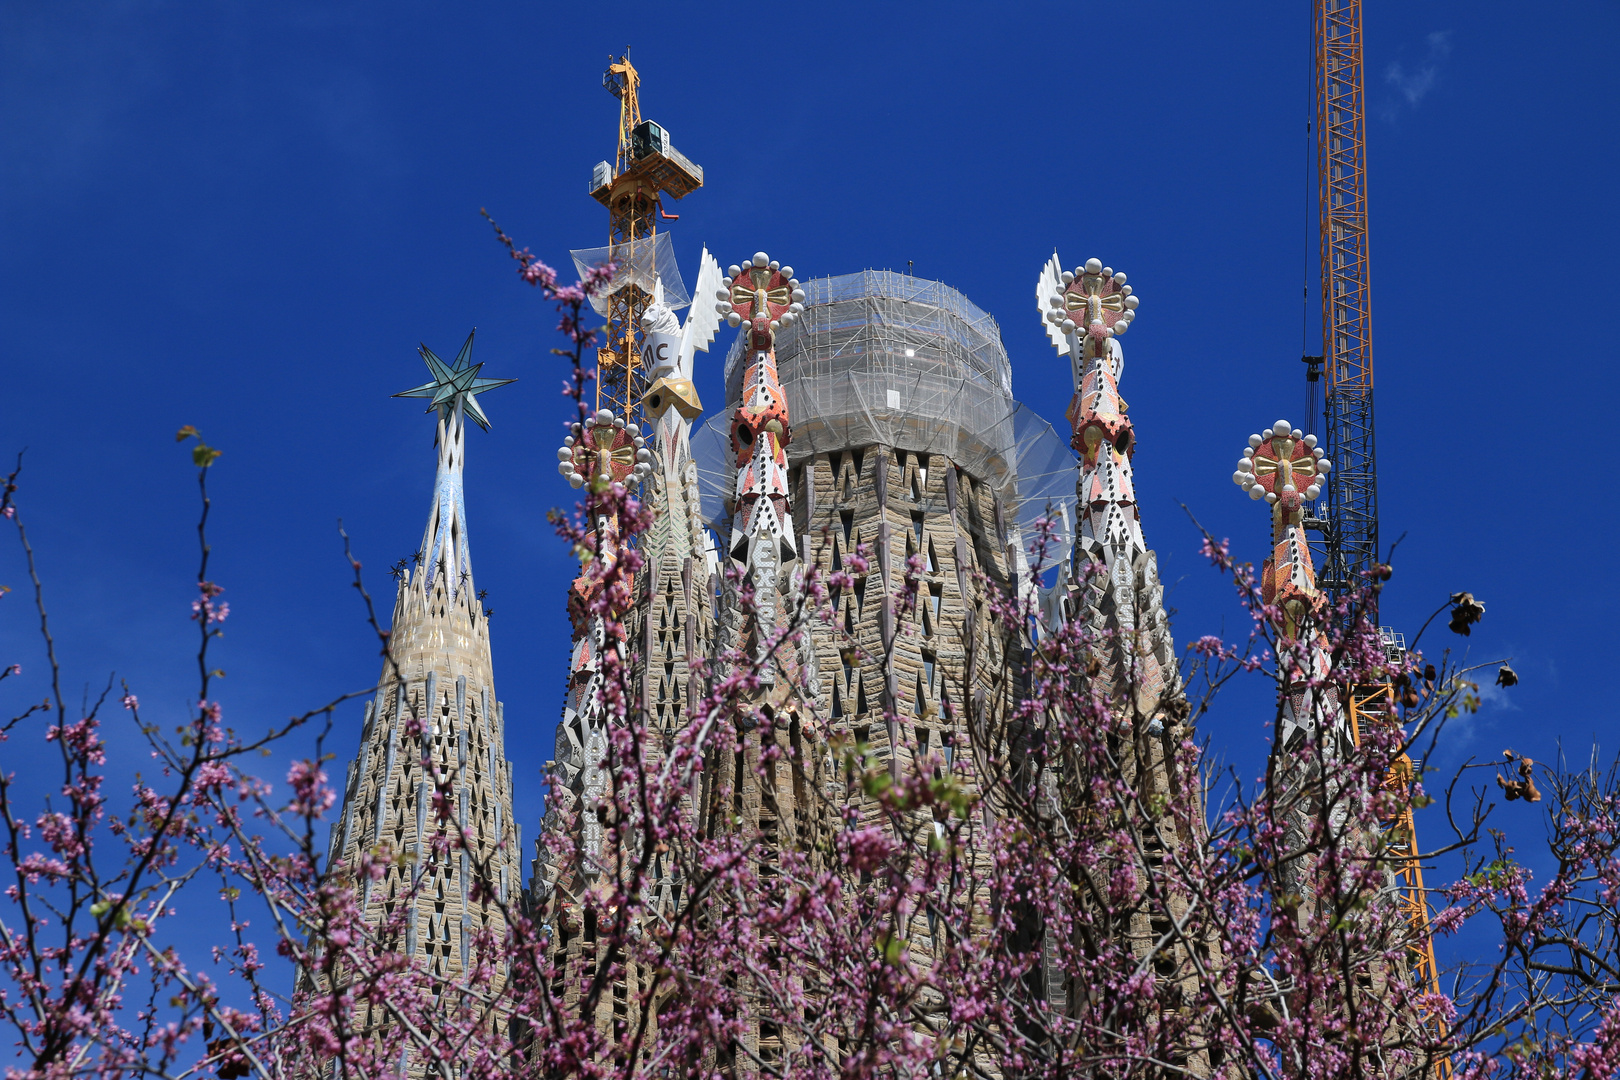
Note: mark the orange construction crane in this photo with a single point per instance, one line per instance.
(1350, 521)
(647, 167)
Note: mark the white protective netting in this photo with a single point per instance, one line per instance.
(885, 358)
(637, 262)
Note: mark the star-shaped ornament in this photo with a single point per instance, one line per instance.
(457, 381)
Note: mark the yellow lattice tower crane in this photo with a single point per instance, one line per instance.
(646, 168)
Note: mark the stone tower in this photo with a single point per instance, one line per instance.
(903, 448)
(873, 432)
(1112, 588)
(661, 639)
(1283, 467)
(435, 732)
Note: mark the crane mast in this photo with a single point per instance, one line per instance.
(645, 168)
(1351, 526)
(1341, 161)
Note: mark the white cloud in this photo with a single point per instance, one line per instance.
(1492, 696)
(1415, 83)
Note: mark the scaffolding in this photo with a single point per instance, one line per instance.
(880, 358)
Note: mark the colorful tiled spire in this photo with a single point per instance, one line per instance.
(1284, 467)
(766, 296)
(1086, 310)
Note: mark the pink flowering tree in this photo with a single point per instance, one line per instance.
(1064, 889)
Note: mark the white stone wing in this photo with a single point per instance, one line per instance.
(702, 320)
(1050, 284)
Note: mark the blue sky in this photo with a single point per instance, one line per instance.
(245, 217)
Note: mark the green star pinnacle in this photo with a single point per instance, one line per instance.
(453, 382)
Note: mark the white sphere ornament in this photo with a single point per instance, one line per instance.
(1324, 465)
(787, 272)
(722, 294)
(1131, 303)
(1068, 324)
(1313, 491)
(775, 265)
(733, 319)
(564, 454)
(604, 416)
(1271, 496)
(1239, 477)
(576, 480)
(1281, 427)
(797, 296)
(565, 467)
(1119, 278)
(1066, 277)
(761, 259)
(734, 270)
(1296, 433)
(1310, 441)
(1122, 326)
(1257, 492)
(1093, 266)
(1255, 440)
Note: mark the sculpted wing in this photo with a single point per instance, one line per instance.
(701, 319)
(1050, 284)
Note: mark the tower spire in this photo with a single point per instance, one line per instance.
(435, 734)
(1086, 310)
(454, 392)
(1284, 467)
(1114, 592)
(766, 296)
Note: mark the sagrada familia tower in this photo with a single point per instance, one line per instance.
(436, 729)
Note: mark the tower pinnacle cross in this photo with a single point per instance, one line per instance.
(453, 383)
